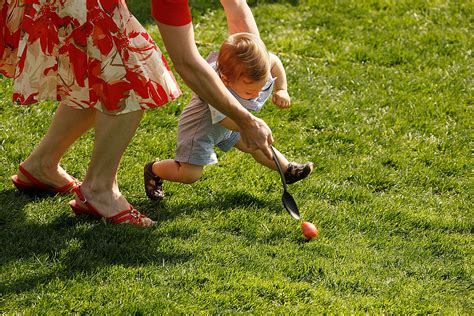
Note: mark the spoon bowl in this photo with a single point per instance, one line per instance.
(288, 201)
(290, 205)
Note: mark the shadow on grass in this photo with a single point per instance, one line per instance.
(67, 247)
(220, 201)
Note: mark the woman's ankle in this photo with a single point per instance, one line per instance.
(40, 164)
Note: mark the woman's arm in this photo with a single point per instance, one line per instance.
(239, 17)
(203, 80)
(229, 124)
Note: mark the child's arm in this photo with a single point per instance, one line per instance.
(281, 98)
(229, 124)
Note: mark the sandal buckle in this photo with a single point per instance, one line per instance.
(135, 214)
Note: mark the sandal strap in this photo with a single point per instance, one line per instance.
(67, 188)
(70, 186)
(77, 190)
(131, 215)
(153, 191)
(33, 179)
(149, 172)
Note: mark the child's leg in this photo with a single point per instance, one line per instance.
(292, 171)
(177, 171)
(259, 156)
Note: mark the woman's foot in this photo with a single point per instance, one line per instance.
(33, 178)
(296, 172)
(153, 183)
(105, 204)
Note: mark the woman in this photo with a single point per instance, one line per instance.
(95, 58)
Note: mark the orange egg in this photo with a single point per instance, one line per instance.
(309, 230)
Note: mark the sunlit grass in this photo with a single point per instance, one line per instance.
(381, 103)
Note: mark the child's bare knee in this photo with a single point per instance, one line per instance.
(190, 179)
(190, 173)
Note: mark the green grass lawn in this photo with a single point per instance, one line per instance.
(382, 97)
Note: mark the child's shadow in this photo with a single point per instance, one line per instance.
(67, 246)
(164, 211)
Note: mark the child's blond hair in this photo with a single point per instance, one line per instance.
(243, 54)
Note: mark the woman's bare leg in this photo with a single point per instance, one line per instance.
(113, 134)
(67, 126)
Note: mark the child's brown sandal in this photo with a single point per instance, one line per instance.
(154, 190)
(297, 172)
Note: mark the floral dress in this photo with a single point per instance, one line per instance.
(83, 53)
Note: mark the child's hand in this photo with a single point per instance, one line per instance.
(281, 98)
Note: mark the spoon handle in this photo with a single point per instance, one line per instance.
(282, 176)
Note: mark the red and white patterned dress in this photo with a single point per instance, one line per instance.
(84, 53)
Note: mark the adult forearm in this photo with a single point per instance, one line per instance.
(229, 124)
(204, 81)
(239, 17)
(198, 74)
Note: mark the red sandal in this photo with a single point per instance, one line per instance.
(36, 186)
(131, 215)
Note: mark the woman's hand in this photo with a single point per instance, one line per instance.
(257, 136)
(239, 17)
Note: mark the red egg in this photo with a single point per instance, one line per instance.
(309, 230)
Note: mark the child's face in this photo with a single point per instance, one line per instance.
(246, 88)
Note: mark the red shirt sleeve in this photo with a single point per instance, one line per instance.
(171, 12)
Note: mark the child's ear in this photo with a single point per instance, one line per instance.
(224, 79)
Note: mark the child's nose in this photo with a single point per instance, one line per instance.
(254, 95)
